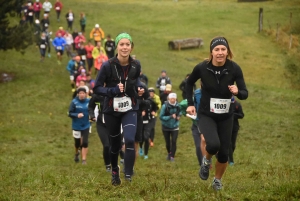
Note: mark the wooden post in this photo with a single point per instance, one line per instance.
(277, 32)
(291, 16)
(260, 20)
(291, 41)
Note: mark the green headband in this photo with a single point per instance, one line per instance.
(123, 35)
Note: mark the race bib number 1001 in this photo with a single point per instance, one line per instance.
(219, 106)
(122, 104)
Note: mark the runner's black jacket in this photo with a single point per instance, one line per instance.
(111, 89)
(212, 87)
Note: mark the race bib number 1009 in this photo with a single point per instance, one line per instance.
(219, 106)
(122, 104)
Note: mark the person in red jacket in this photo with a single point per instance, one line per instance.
(37, 6)
(58, 7)
(80, 38)
(60, 31)
(89, 48)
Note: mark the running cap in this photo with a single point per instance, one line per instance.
(123, 35)
(218, 41)
(172, 95)
(97, 26)
(81, 89)
(168, 87)
(151, 89)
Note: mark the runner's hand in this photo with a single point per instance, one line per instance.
(121, 87)
(80, 115)
(233, 89)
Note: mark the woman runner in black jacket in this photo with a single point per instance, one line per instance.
(218, 75)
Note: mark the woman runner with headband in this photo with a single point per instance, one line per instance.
(118, 81)
(218, 75)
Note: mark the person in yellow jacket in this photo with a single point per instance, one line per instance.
(97, 34)
(96, 51)
(156, 99)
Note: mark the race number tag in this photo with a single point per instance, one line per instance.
(219, 106)
(162, 88)
(71, 77)
(46, 25)
(42, 46)
(83, 57)
(109, 49)
(30, 14)
(58, 48)
(57, 8)
(76, 134)
(122, 104)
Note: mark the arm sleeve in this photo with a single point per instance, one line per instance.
(194, 76)
(99, 83)
(242, 90)
(72, 110)
(91, 107)
(182, 86)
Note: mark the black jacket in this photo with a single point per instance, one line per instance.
(212, 87)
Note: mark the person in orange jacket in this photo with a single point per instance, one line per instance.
(97, 34)
(100, 60)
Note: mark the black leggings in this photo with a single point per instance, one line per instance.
(113, 124)
(197, 141)
(152, 134)
(232, 144)
(70, 24)
(217, 134)
(82, 28)
(104, 138)
(90, 62)
(171, 143)
(146, 136)
(85, 139)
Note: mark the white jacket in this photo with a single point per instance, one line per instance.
(47, 6)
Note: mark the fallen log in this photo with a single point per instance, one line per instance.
(185, 43)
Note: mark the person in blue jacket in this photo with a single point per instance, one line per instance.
(59, 45)
(169, 115)
(118, 81)
(79, 113)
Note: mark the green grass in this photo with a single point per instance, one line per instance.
(36, 160)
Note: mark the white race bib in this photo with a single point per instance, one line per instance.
(122, 104)
(42, 46)
(83, 57)
(76, 134)
(145, 121)
(57, 8)
(30, 14)
(71, 77)
(109, 48)
(162, 88)
(46, 25)
(58, 48)
(71, 18)
(96, 112)
(219, 106)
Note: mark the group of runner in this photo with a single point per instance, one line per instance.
(125, 109)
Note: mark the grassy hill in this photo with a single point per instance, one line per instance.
(36, 160)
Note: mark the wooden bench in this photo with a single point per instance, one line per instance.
(185, 43)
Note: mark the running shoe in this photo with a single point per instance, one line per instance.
(83, 162)
(204, 170)
(141, 152)
(217, 184)
(73, 90)
(128, 178)
(76, 158)
(168, 157)
(49, 55)
(115, 176)
(108, 168)
(145, 157)
(172, 159)
(231, 163)
(122, 161)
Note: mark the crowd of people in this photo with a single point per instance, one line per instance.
(125, 109)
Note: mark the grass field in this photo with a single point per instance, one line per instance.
(36, 160)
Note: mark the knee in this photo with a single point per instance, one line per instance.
(129, 143)
(84, 144)
(213, 148)
(222, 158)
